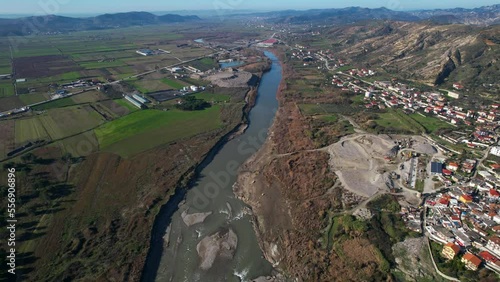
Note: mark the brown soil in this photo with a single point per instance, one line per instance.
(43, 66)
(10, 103)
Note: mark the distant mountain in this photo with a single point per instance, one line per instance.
(479, 16)
(51, 23)
(345, 15)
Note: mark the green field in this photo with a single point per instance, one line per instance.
(174, 83)
(55, 104)
(80, 145)
(213, 97)
(64, 122)
(330, 118)
(147, 129)
(98, 65)
(5, 69)
(29, 99)
(396, 121)
(391, 120)
(29, 130)
(431, 124)
(6, 89)
(126, 104)
(311, 109)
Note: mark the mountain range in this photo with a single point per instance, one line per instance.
(486, 15)
(53, 23)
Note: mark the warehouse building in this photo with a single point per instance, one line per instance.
(436, 168)
(134, 102)
(140, 99)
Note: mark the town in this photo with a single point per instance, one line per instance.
(460, 203)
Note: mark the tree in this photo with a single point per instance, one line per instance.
(67, 157)
(190, 103)
(27, 158)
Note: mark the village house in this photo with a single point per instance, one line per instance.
(494, 245)
(450, 250)
(471, 261)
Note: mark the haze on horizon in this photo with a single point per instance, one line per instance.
(44, 7)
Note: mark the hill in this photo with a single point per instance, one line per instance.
(433, 53)
(486, 15)
(53, 23)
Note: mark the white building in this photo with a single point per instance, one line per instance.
(454, 95)
(495, 151)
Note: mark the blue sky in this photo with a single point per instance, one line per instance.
(100, 6)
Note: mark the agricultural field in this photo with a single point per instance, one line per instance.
(80, 145)
(174, 83)
(67, 121)
(44, 66)
(7, 138)
(6, 88)
(147, 129)
(430, 124)
(29, 99)
(89, 97)
(126, 104)
(9, 103)
(116, 108)
(65, 102)
(392, 121)
(149, 85)
(30, 129)
(209, 97)
(329, 118)
(5, 68)
(205, 64)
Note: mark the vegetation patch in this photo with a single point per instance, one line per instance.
(147, 129)
(65, 102)
(64, 122)
(6, 89)
(29, 99)
(431, 124)
(30, 129)
(174, 83)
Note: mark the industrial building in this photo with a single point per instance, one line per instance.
(268, 43)
(145, 52)
(134, 102)
(140, 99)
(436, 168)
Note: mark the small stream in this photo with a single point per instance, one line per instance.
(178, 260)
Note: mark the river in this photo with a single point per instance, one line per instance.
(212, 193)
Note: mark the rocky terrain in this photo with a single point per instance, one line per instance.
(220, 245)
(230, 78)
(436, 54)
(413, 260)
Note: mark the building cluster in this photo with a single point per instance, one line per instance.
(399, 95)
(81, 83)
(149, 52)
(268, 43)
(302, 53)
(465, 219)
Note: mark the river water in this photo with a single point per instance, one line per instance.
(178, 260)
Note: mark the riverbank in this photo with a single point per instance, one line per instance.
(285, 185)
(164, 217)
